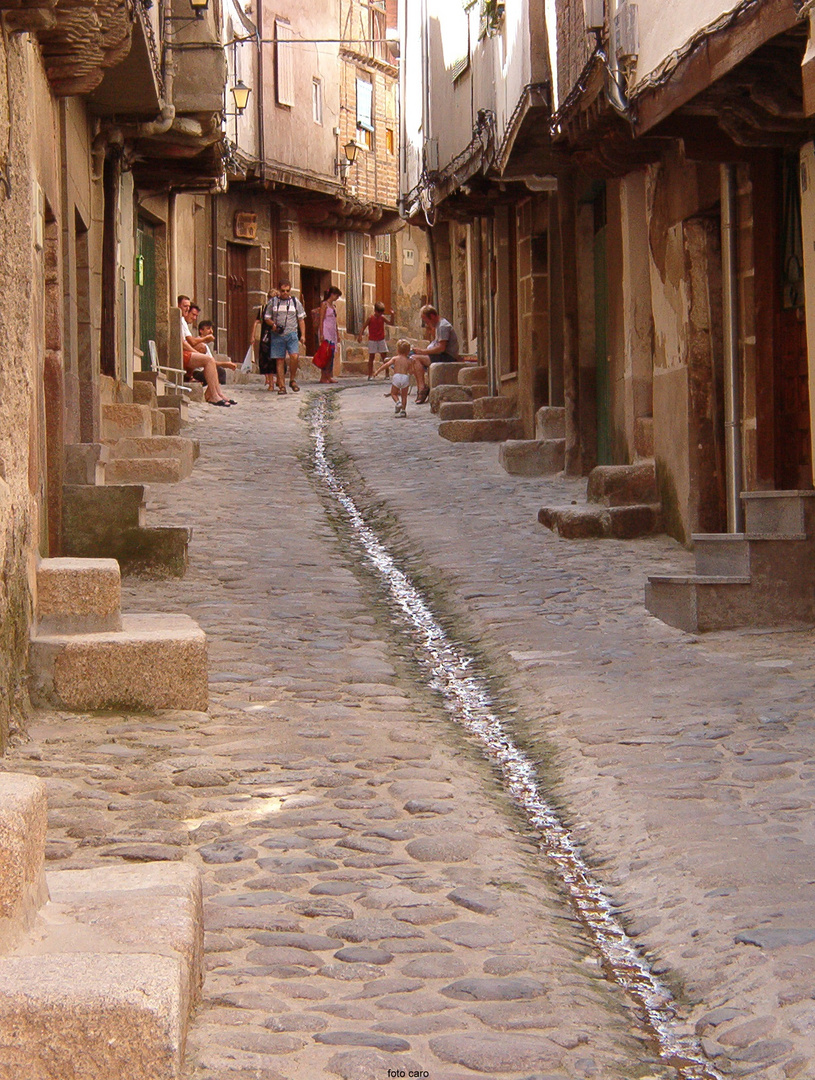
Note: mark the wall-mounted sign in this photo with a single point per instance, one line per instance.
(140, 269)
(245, 225)
(409, 257)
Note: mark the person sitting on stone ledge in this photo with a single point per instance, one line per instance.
(443, 348)
(195, 359)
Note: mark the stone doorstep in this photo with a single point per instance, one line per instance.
(597, 522)
(622, 485)
(456, 410)
(151, 908)
(153, 662)
(532, 457)
(84, 463)
(90, 513)
(23, 826)
(690, 602)
(151, 470)
(470, 374)
(479, 390)
(122, 421)
(494, 408)
(152, 551)
(778, 512)
(172, 421)
(444, 373)
(92, 1016)
(160, 446)
(448, 392)
(550, 422)
(481, 430)
(144, 393)
(78, 596)
(157, 419)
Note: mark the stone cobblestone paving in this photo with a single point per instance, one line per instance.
(373, 901)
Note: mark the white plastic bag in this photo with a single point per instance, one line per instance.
(246, 366)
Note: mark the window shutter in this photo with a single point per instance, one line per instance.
(365, 104)
(285, 63)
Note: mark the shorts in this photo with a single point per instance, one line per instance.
(377, 347)
(400, 382)
(282, 345)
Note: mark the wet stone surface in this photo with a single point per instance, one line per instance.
(366, 884)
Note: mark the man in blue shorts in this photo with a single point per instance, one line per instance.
(286, 316)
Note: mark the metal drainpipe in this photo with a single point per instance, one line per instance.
(172, 246)
(214, 265)
(732, 396)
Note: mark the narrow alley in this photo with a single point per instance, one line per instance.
(375, 902)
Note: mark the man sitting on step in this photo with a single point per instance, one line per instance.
(194, 358)
(443, 347)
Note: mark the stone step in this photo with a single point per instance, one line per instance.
(781, 512)
(153, 662)
(550, 423)
(448, 392)
(104, 985)
(622, 485)
(479, 390)
(722, 554)
(157, 419)
(593, 521)
(159, 446)
(108, 523)
(445, 373)
(155, 378)
(172, 420)
(125, 421)
(456, 410)
(532, 457)
(144, 471)
(85, 463)
(490, 408)
(23, 826)
(78, 596)
(144, 393)
(644, 438)
(481, 430)
(697, 603)
(178, 400)
(472, 374)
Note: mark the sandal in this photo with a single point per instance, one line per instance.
(294, 386)
(421, 399)
(223, 404)
(282, 390)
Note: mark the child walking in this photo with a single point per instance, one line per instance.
(402, 365)
(375, 325)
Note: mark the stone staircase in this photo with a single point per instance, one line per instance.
(622, 502)
(471, 415)
(99, 968)
(86, 655)
(140, 451)
(107, 522)
(542, 456)
(764, 576)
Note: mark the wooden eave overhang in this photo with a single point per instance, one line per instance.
(708, 58)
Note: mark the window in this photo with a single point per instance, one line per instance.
(365, 104)
(390, 141)
(317, 100)
(284, 66)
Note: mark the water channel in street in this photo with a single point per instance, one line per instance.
(453, 674)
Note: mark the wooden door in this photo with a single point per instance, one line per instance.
(384, 290)
(146, 283)
(793, 466)
(238, 316)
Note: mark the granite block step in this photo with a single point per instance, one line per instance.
(532, 457)
(125, 420)
(78, 596)
(550, 423)
(597, 521)
(23, 826)
(471, 374)
(779, 512)
(490, 408)
(481, 430)
(456, 410)
(152, 470)
(621, 485)
(153, 662)
(85, 463)
(445, 373)
(448, 392)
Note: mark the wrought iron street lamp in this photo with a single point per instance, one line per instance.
(240, 95)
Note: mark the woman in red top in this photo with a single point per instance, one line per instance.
(375, 325)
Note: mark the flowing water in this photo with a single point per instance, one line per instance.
(467, 701)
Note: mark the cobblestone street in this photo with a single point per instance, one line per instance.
(375, 904)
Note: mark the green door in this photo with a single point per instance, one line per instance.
(146, 284)
(603, 379)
